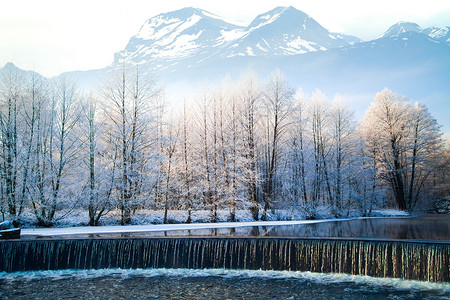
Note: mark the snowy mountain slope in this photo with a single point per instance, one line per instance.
(401, 27)
(284, 31)
(193, 35)
(11, 69)
(441, 34)
(168, 38)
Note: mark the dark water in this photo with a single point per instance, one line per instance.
(210, 284)
(431, 227)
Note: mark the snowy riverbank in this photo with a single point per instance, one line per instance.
(149, 218)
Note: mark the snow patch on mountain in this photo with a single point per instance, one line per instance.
(301, 46)
(184, 33)
(267, 18)
(231, 35)
(229, 21)
(438, 33)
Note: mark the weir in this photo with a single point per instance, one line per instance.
(412, 260)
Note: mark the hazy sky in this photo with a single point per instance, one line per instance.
(53, 36)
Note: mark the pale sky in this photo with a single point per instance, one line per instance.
(54, 36)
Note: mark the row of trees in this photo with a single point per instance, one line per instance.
(239, 146)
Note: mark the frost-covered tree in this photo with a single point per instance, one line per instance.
(235, 161)
(99, 172)
(439, 181)
(278, 98)
(250, 97)
(423, 152)
(169, 148)
(299, 180)
(128, 99)
(186, 159)
(404, 140)
(55, 151)
(11, 98)
(246, 146)
(343, 153)
(205, 168)
(319, 122)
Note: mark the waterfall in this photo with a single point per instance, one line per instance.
(411, 260)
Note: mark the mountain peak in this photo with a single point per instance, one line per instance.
(402, 27)
(181, 19)
(10, 65)
(287, 13)
(182, 13)
(285, 30)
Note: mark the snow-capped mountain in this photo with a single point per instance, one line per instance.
(190, 33)
(284, 31)
(171, 37)
(11, 69)
(441, 34)
(401, 27)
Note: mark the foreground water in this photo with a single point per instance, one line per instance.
(431, 227)
(209, 284)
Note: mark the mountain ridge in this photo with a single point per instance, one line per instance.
(190, 32)
(189, 47)
(441, 34)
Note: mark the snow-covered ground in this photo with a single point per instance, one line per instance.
(75, 223)
(79, 218)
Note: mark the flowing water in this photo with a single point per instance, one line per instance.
(260, 262)
(209, 284)
(408, 260)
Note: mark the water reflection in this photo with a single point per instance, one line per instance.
(436, 227)
(422, 228)
(431, 227)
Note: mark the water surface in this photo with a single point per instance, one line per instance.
(430, 227)
(209, 284)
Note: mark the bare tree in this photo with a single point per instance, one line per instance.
(250, 97)
(10, 143)
(128, 98)
(233, 181)
(319, 116)
(204, 133)
(278, 99)
(343, 140)
(300, 156)
(170, 147)
(424, 149)
(56, 150)
(99, 184)
(187, 172)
